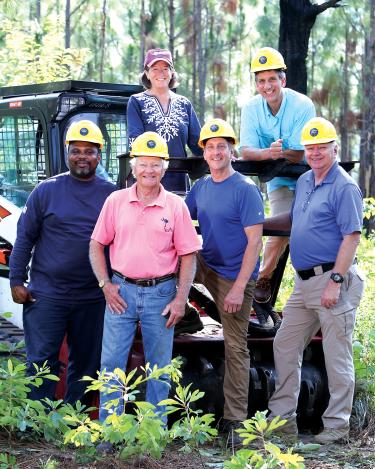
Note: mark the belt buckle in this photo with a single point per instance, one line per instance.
(146, 282)
(318, 270)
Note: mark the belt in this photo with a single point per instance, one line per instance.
(317, 270)
(145, 282)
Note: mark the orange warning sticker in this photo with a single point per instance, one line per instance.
(4, 212)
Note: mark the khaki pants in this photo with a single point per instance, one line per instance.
(235, 326)
(280, 202)
(303, 316)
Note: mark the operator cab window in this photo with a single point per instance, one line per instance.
(22, 157)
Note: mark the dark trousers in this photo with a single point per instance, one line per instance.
(45, 324)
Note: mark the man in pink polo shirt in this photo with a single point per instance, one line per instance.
(149, 232)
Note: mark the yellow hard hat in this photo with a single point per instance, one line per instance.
(84, 131)
(267, 59)
(150, 144)
(318, 130)
(216, 128)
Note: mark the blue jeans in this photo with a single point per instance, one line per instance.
(45, 324)
(145, 304)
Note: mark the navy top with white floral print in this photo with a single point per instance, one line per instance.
(179, 126)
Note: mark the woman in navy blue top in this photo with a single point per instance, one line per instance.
(160, 110)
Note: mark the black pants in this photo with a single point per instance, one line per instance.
(45, 324)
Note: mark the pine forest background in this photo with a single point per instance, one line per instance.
(329, 48)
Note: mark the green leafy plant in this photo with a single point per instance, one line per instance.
(364, 333)
(137, 430)
(50, 464)
(192, 428)
(17, 412)
(369, 207)
(36, 53)
(12, 350)
(8, 461)
(55, 421)
(267, 455)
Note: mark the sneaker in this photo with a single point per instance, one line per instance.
(190, 323)
(331, 435)
(262, 292)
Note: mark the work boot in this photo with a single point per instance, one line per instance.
(331, 435)
(262, 291)
(190, 323)
(234, 441)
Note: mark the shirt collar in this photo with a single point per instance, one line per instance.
(330, 177)
(161, 199)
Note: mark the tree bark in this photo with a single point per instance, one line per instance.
(67, 24)
(102, 40)
(297, 17)
(38, 10)
(202, 63)
(197, 19)
(344, 108)
(171, 10)
(367, 142)
(143, 35)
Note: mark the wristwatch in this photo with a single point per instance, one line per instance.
(103, 282)
(336, 277)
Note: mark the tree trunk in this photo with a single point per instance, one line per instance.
(202, 63)
(102, 40)
(367, 143)
(297, 17)
(171, 10)
(143, 35)
(344, 108)
(67, 24)
(38, 10)
(197, 19)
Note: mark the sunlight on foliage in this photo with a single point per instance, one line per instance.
(267, 455)
(35, 53)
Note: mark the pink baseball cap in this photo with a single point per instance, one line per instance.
(154, 55)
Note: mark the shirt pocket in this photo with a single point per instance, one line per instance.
(162, 238)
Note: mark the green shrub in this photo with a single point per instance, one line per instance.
(267, 455)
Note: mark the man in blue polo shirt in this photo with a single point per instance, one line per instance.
(326, 223)
(229, 208)
(271, 125)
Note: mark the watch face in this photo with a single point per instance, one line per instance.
(337, 278)
(101, 283)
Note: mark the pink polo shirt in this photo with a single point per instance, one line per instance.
(145, 241)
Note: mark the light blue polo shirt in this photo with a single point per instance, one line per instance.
(259, 128)
(322, 215)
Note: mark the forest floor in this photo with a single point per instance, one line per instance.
(357, 452)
